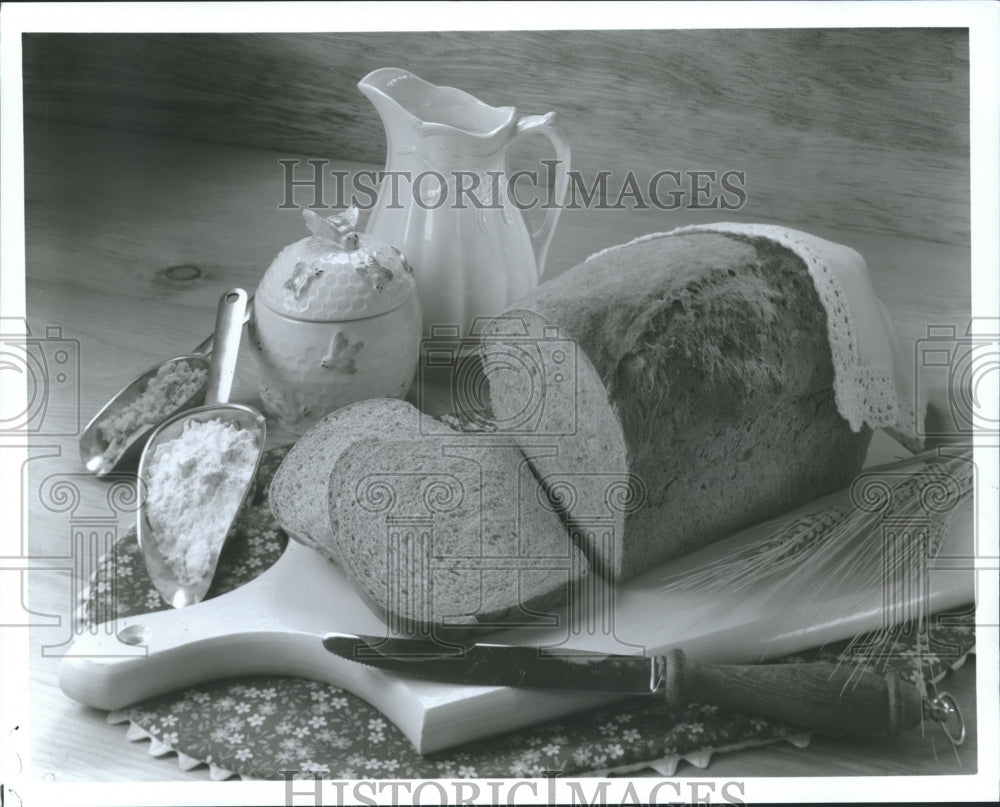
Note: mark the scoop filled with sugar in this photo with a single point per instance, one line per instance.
(196, 472)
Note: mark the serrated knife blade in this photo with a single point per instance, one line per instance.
(485, 664)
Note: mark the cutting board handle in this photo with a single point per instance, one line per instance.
(140, 657)
(271, 625)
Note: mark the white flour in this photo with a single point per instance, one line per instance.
(194, 488)
(172, 385)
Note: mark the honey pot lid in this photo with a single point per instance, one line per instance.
(336, 274)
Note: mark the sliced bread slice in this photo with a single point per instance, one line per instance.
(445, 533)
(299, 495)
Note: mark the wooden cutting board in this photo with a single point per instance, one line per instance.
(273, 625)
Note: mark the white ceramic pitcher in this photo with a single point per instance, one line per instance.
(471, 250)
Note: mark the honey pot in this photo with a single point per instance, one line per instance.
(336, 319)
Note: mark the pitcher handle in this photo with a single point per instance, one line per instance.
(542, 125)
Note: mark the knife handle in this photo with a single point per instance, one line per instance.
(832, 698)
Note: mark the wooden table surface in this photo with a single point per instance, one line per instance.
(109, 214)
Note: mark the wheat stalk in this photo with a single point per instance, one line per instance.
(817, 551)
(836, 542)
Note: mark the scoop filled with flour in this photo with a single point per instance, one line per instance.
(195, 484)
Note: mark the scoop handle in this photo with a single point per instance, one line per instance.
(228, 332)
(205, 346)
(832, 698)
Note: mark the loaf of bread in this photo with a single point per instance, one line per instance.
(299, 493)
(684, 386)
(435, 532)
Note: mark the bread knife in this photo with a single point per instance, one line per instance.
(821, 696)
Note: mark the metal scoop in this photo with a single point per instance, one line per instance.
(228, 331)
(94, 445)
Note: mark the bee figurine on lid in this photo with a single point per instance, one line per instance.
(335, 320)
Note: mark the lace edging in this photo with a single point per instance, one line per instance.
(864, 394)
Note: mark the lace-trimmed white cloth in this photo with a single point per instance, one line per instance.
(874, 381)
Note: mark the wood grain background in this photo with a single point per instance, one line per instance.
(148, 152)
(861, 129)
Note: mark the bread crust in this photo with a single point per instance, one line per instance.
(299, 491)
(704, 382)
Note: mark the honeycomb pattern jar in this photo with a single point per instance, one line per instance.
(335, 320)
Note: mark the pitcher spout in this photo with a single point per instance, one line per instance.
(399, 95)
(382, 81)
